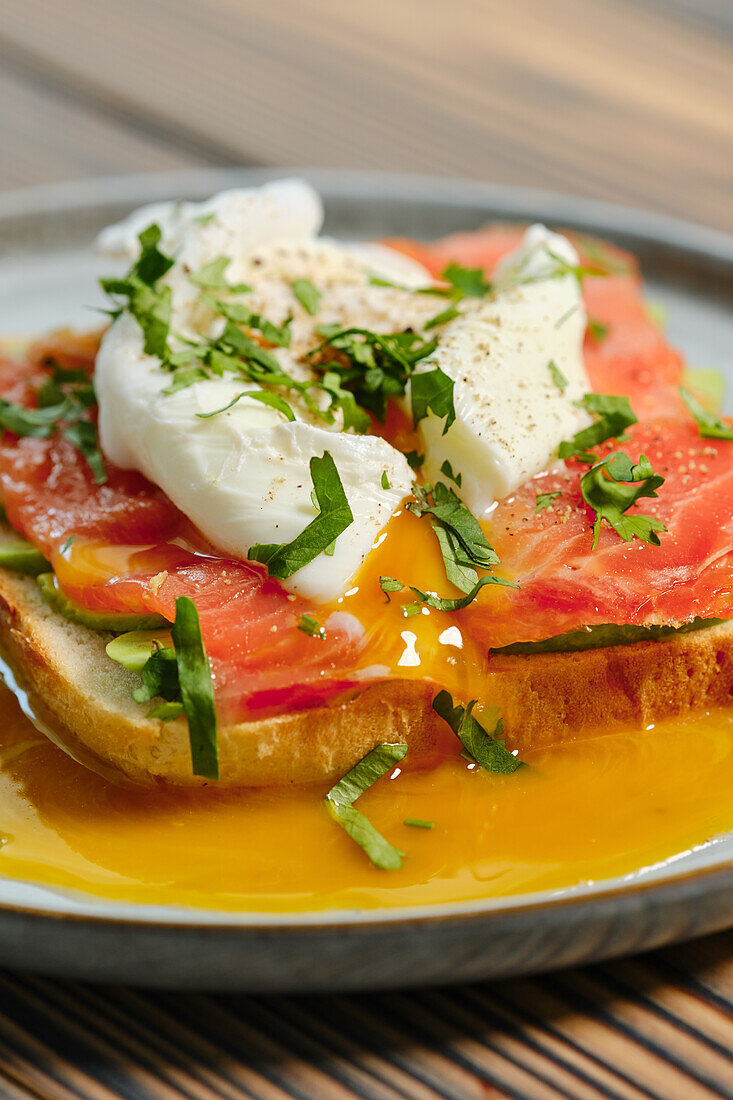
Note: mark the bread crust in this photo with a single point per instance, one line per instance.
(86, 699)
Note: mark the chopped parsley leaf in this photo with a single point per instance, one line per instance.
(308, 296)
(441, 318)
(181, 676)
(710, 426)
(544, 500)
(467, 282)
(340, 804)
(377, 366)
(557, 375)
(389, 584)
(197, 693)
(263, 396)
(488, 750)
(418, 823)
(612, 486)
(432, 391)
(439, 603)
(597, 330)
(613, 416)
(148, 303)
(334, 517)
(447, 469)
(385, 480)
(212, 277)
(311, 627)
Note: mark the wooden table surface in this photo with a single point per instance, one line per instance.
(617, 99)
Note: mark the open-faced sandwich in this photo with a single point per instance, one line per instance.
(305, 504)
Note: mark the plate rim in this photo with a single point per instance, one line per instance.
(675, 234)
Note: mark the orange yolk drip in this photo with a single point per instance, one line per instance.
(582, 811)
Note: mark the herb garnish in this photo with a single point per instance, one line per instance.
(463, 546)
(212, 277)
(390, 584)
(308, 296)
(181, 675)
(488, 750)
(440, 603)
(614, 415)
(432, 390)
(447, 469)
(612, 486)
(385, 480)
(414, 459)
(265, 397)
(149, 304)
(544, 500)
(597, 330)
(64, 398)
(441, 318)
(557, 375)
(340, 804)
(282, 560)
(467, 282)
(311, 627)
(197, 693)
(710, 426)
(240, 314)
(376, 367)
(418, 823)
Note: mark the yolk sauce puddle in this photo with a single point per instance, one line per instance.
(583, 811)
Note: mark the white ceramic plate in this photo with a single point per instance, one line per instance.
(48, 277)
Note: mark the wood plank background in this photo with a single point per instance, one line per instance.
(617, 99)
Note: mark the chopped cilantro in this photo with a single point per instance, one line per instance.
(414, 459)
(418, 823)
(385, 480)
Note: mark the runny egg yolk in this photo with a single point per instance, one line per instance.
(582, 811)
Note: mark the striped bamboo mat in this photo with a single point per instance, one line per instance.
(657, 1026)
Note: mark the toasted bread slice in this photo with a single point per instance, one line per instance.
(86, 699)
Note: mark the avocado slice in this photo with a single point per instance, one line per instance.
(133, 649)
(22, 557)
(55, 596)
(600, 636)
